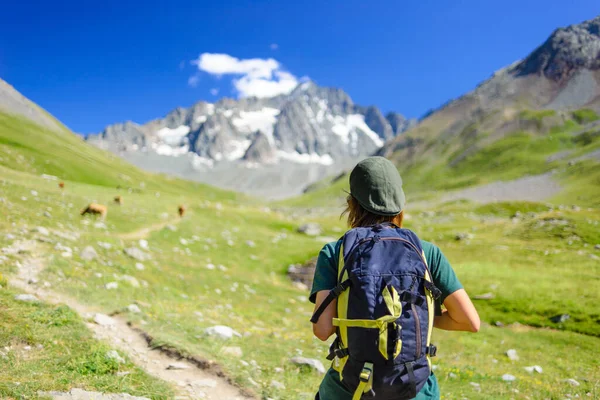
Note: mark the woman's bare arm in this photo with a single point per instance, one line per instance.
(460, 314)
(324, 328)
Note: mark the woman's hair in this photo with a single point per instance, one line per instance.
(358, 216)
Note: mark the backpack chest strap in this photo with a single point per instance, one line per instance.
(392, 301)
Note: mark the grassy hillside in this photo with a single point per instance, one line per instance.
(29, 148)
(224, 263)
(479, 157)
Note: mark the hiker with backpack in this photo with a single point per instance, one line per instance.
(379, 290)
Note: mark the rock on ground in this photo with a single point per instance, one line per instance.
(310, 229)
(131, 280)
(177, 366)
(311, 362)
(572, 382)
(534, 368)
(42, 231)
(464, 236)
(104, 320)
(277, 385)
(512, 354)
(136, 254)
(88, 254)
(560, 318)
(28, 298)
(508, 377)
(171, 228)
(222, 332)
(133, 308)
(79, 394)
(233, 351)
(113, 355)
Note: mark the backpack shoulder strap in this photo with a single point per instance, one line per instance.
(336, 291)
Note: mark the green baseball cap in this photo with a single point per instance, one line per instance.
(377, 186)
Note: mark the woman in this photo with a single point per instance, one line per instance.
(376, 197)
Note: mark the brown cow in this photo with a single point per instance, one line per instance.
(61, 185)
(181, 210)
(119, 200)
(95, 209)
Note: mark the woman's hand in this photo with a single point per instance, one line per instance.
(324, 328)
(460, 314)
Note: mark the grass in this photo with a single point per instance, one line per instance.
(226, 262)
(47, 348)
(180, 296)
(585, 115)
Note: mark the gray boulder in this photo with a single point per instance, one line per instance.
(310, 229)
(27, 298)
(311, 362)
(136, 254)
(88, 254)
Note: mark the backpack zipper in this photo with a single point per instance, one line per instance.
(417, 329)
(412, 306)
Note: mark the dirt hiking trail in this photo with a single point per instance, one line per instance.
(144, 232)
(187, 379)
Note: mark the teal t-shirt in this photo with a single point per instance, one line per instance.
(325, 278)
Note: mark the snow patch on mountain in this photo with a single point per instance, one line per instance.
(304, 158)
(167, 150)
(236, 149)
(262, 120)
(173, 137)
(346, 127)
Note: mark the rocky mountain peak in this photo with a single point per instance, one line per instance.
(260, 150)
(565, 52)
(313, 124)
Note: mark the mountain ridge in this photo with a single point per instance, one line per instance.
(562, 74)
(310, 121)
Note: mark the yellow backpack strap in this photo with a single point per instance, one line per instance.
(365, 384)
(342, 312)
(431, 312)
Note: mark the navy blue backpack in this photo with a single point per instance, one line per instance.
(385, 310)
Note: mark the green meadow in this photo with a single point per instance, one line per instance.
(225, 263)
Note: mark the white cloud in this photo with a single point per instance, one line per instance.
(256, 76)
(274, 46)
(214, 91)
(193, 80)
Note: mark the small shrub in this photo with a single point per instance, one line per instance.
(585, 115)
(96, 363)
(536, 115)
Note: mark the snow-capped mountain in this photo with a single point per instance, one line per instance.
(238, 144)
(310, 125)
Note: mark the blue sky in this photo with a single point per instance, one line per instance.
(95, 63)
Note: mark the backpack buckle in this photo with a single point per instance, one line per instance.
(341, 353)
(365, 374)
(431, 350)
